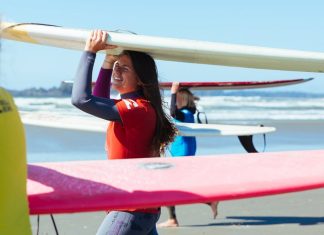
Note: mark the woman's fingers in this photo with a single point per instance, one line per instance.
(109, 47)
(175, 87)
(104, 36)
(98, 41)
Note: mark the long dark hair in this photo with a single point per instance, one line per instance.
(145, 68)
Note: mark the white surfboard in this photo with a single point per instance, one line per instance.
(171, 49)
(185, 129)
(195, 129)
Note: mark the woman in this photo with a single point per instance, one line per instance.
(138, 125)
(182, 109)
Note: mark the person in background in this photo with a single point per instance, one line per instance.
(182, 109)
(138, 126)
(14, 212)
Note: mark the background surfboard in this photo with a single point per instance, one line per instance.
(230, 85)
(185, 129)
(236, 85)
(66, 187)
(171, 48)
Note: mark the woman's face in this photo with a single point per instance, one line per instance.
(124, 78)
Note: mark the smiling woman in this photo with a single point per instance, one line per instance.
(124, 79)
(138, 126)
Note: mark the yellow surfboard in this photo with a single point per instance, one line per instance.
(14, 213)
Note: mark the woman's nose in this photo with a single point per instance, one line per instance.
(117, 70)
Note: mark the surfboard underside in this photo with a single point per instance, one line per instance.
(171, 49)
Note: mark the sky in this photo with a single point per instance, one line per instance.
(285, 24)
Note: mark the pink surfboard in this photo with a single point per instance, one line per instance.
(66, 187)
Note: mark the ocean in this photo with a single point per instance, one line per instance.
(239, 109)
(299, 122)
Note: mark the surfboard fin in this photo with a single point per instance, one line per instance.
(247, 143)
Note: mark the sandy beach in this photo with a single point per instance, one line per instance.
(293, 213)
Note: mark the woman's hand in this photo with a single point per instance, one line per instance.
(175, 87)
(97, 41)
(109, 61)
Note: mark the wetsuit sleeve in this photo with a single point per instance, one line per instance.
(102, 86)
(173, 106)
(174, 112)
(81, 93)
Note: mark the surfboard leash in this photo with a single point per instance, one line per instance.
(53, 221)
(37, 231)
(54, 224)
